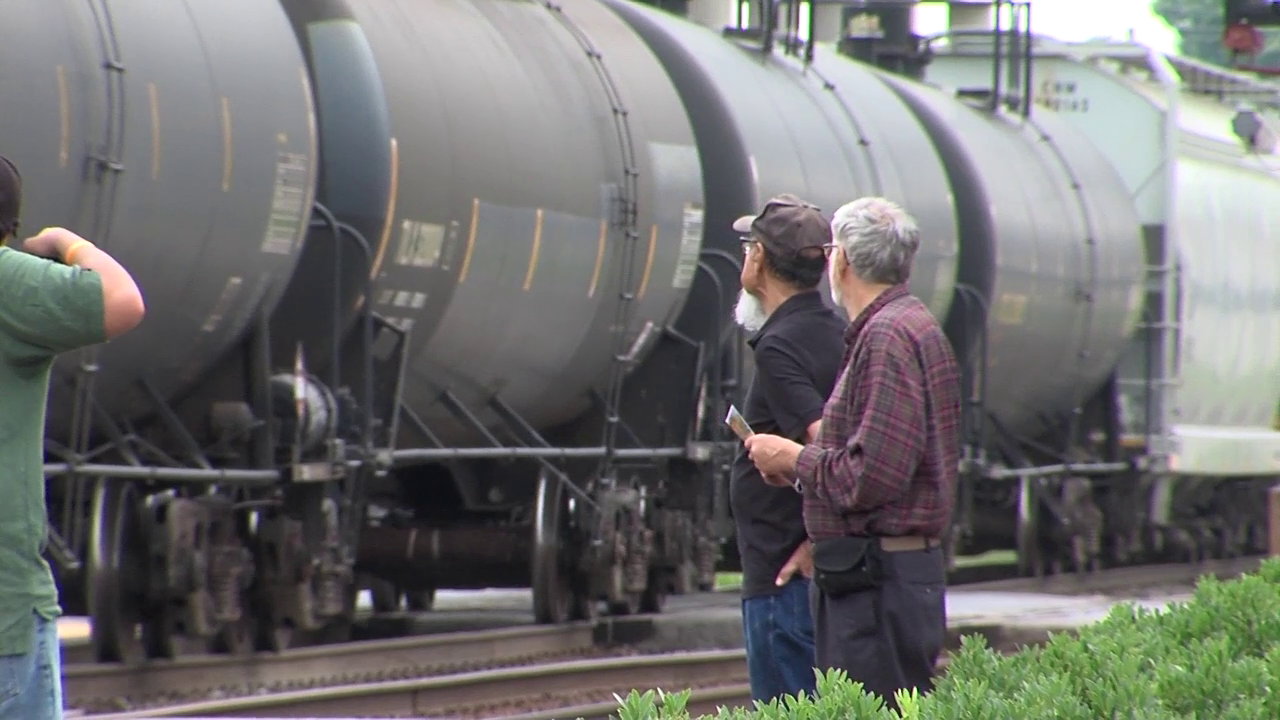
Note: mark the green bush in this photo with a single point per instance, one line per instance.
(1215, 657)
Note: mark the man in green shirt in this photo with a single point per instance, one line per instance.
(61, 294)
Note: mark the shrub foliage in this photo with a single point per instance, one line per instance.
(1215, 657)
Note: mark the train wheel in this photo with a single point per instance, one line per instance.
(629, 605)
(385, 595)
(235, 638)
(585, 606)
(161, 634)
(654, 598)
(552, 569)
(420, 600)
(117, 557)
(272, 632)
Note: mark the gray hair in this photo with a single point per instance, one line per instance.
(879, 239)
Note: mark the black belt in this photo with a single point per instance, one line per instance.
(906, 543)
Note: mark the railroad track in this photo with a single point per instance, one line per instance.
(100, 688)
(418, 669)
(576, 689)
(561, 689)
(1129, 580)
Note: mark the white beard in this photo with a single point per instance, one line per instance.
(749, 312)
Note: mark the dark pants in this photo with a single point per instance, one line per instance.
(779, 637)
(887, 637)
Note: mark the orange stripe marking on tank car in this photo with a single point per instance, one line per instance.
(153, 97)
(312, 145)
(533, 253)
(64, 118)
(595, 274)
(648, 263)
(393, 198)
(226, 144)
(471, 241)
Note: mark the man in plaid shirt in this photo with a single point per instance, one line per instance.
(879, 480)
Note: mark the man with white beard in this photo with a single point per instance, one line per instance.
(797, 344)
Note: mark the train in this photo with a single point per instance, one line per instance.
(440, 291)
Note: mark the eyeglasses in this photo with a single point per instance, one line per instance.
(827, 248)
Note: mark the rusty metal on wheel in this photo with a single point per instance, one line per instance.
(487, 693)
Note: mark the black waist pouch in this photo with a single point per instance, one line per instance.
(844, 565)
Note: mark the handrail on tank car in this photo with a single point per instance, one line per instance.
(716, 369)
(1021, 39)
(720, 436)
(328, 219)
(972, 420)
(354, 491)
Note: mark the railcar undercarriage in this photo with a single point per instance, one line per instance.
(260, 537)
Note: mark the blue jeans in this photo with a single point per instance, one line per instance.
(31, 684)
(778, 630)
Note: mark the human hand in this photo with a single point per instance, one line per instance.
(778, 480)
(801, 561)
(52, 243)
(773, 455)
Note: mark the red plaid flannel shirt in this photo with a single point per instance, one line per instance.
(886, 458)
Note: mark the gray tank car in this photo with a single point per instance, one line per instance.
(827, 131)
(155, 134)
(521, 187)
(1198, 388)
(1052, 246)
(465, 280)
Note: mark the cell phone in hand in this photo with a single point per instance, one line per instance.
(738, 423)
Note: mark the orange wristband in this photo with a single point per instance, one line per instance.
(69, 255)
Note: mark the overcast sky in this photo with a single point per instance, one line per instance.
(1078, 20)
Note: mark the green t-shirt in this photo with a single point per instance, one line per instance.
(46, 308)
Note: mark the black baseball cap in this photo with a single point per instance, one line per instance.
(10, 196)
(788, 226)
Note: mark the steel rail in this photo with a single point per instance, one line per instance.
(98, 687)
(551, 683)
(707, 701)
(1122, 578)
